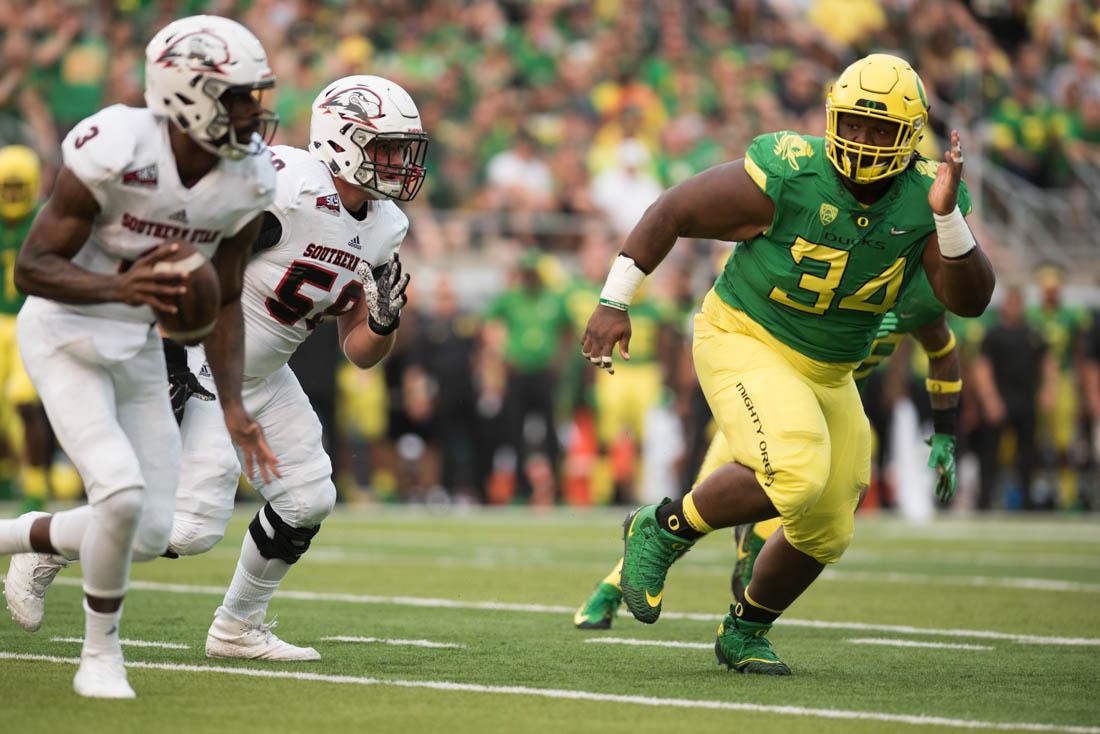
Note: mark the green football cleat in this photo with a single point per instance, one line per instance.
(649, 551)
(599, 611)
(743, 646)
(748, 545)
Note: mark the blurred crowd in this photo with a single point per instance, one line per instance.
(553, 125)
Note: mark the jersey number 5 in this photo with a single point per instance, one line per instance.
(866, 298)
(291, 305)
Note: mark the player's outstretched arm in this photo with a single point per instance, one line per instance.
(721, 203)
(225, 352)
(960, 273)
(944, 386)
(45, 268)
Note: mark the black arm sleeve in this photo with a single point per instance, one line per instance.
(271, 231)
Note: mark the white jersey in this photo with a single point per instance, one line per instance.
(123, 156)
(310, 272)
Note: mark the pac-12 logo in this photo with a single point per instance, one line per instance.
(355, 104)
(198, 51)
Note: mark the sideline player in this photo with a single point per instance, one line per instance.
(192, 166)
(832, 230)
(917, 313)
(20, 180)
(334, 219)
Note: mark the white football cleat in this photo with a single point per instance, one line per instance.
(102, 676)
(29, 575)
(230, 637)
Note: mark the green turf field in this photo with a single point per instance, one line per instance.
(1013, 603)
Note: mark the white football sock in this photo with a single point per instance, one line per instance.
(254, 581)
(106, 548)
(15, 534)
(101, 635)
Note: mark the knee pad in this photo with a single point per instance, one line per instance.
(152, 536)
(122, 509)
(190, 538)
(287, 544)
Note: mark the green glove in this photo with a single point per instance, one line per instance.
(942, 459)
(887, 326)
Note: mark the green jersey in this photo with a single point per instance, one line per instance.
(827, 269)
(917, 306)
(12, 235)
(535, 321)
(1061, 327)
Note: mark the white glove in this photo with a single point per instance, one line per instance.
(384, 294)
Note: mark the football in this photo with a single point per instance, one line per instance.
(199, 306)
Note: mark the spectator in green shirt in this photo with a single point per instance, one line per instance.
(536, 328)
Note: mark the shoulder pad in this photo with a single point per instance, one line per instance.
(100, 147)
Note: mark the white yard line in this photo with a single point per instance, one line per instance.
(385, 641)
(130, 643)
(1004, 582)
(430, 603)
(652, 643)
(916, 643)
(561, 694)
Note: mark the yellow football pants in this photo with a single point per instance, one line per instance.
(796, 422)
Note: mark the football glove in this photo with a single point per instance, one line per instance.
(942, 459)
(182, 383)
(384, 293)
(887, 326)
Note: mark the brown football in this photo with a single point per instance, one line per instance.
(199, 306)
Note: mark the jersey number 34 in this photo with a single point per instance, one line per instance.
(866, 298)
(291, 305)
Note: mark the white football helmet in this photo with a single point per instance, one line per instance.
(191, 63)
(355, 117)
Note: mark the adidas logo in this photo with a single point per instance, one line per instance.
(353, 243)
(180, 216)
(205, 370)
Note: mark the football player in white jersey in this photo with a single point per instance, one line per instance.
(192, 166)
(334, 221)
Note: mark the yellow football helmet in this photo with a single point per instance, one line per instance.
(882, 87)
(20, 177)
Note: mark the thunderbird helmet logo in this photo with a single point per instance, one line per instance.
(828, 213)
(355, 104)
(198, 51)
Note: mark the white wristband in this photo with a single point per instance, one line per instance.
(622, 282)
(954, 235)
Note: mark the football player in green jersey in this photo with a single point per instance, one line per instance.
(20, 177)
(917, 312)
(831, 230)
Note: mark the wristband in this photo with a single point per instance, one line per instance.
(943, 387)
(946, 348)
(621, 284)
(945, 420)
(954, 235)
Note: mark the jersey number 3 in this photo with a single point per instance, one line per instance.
(866, 298)
(291, 305)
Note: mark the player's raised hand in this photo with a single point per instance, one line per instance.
(384, 294)
(142, 284)
(249, 438)
(606, 327)
(943, 196)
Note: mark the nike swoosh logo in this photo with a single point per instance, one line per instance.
(654, 601)
(630, 530)
(579, 617)
(899, 231)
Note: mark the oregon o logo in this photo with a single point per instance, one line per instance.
(862, 221)
(673, 523)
